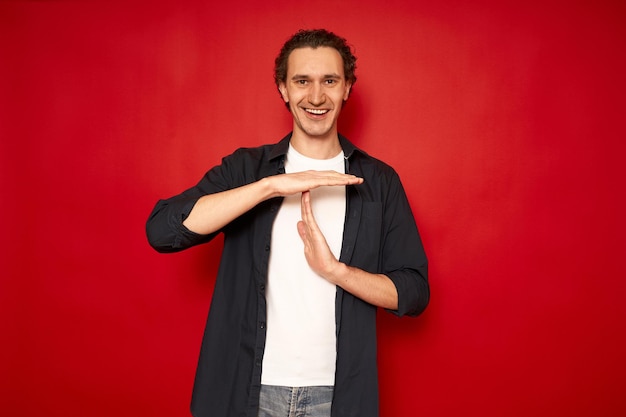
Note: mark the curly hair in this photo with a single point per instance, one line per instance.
(315, 38)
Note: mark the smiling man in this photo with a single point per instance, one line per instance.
(317, 236)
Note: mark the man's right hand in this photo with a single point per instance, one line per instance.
(298, 182)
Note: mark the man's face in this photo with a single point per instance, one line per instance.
(315, 89)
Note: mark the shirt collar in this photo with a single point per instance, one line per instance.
(281, 148)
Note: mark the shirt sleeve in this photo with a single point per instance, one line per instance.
(165, 230)
(404, 259)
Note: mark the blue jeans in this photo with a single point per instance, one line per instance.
(295, 402)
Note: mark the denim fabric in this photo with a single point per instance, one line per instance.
(295, 402)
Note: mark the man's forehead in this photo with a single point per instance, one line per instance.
(321, 59)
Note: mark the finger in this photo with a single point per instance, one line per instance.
(330, 176)
(305, 207)
(307, 216)
(307, 213)
(335, 178)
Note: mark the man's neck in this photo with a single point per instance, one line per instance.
(316, 147)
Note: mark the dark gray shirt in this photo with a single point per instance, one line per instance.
(380, 236)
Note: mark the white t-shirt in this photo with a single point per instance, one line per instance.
(301, 347)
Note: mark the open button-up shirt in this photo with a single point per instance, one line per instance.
(380, 236)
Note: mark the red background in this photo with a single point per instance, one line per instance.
(504, 120)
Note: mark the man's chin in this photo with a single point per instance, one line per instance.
(318, 135)
(318, 132)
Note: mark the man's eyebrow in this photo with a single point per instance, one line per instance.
(306, 77)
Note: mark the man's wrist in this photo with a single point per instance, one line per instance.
(266, 188)
(339, 274)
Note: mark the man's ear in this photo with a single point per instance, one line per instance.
(347, 93)
(283, 92)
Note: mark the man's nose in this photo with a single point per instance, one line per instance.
(316, 95)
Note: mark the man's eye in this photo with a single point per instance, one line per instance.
(301, 82)
(330, 82)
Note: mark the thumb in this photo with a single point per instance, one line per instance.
(302, 230)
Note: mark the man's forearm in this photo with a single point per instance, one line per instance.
(214, 211)
(376, 289)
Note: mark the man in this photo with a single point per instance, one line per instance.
(317, 235)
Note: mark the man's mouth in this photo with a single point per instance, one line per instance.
(317, 112)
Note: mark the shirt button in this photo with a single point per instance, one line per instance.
(262, 325)
(259, 362)
(267, 248)
(262, 287)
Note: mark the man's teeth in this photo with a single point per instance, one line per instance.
(316, 111)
